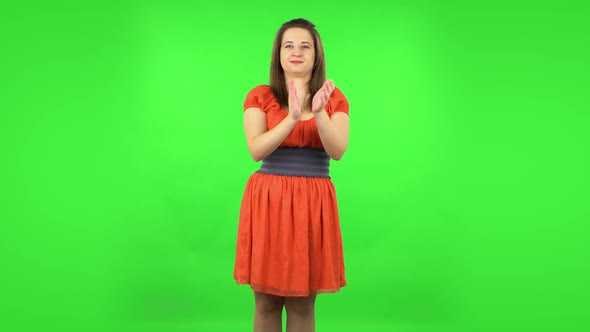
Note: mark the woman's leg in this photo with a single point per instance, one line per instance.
(300, 313)
(268, 313)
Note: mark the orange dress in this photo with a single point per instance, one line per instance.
(289, 241)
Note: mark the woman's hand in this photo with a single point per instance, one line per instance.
(322, 96)
(294, 106)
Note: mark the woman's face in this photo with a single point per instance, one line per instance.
(297, 52)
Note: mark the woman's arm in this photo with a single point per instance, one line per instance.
(333, 132)
(261, 141)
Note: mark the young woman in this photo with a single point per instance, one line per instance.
(289, 246)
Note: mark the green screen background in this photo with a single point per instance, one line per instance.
(463, 195)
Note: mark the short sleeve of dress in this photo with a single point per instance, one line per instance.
(258, 97)
(337, 103)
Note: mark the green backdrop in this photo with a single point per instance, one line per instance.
(463, 195)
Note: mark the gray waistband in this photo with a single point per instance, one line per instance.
(297, 162)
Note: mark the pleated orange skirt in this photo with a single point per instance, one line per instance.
(289, 240)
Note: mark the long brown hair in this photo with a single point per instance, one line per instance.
(277, 74)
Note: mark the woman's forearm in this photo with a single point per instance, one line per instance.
(264, 144)
(334, 136)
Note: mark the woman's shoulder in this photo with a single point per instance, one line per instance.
(259, 96)
(337, 94)
(337, 102)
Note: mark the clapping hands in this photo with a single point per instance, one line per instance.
(322, 96)
(319, 101)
